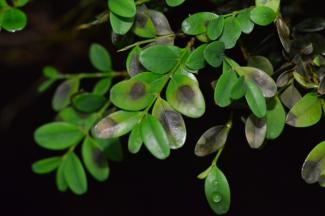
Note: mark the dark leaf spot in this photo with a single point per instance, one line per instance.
(185, 94)
(170, 120)
(137, 91)
(99, 158)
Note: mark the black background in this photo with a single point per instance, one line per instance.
(263, 182)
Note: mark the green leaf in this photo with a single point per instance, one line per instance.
(116, 124)
(45, 85)
(131, 95)
(112, 149)
(154, 137)
(246, 25)
(13, 19)
(172, 122)
(185, 96)
(231, 32)
(94, 159)
(313, 169)
(273, 4)
(63, 94)
(195, 60)
(217, 191)
(255, 99)
(143, 26)
(238, 89)
(102, 86)
(261, 63)
(61, 183)
(50, 72)
(135, 140)
(306, 112)
(222, 91)
(133, 65)
(74, 174)
(215, 28)
(212, 140)
(214, 53)
(197, 23)
(123, 8)
(100, 58)
(262, 15)
(70, 115)
(88, 102)
(46, 165)
(275, 118)
(159, 58)
(255, 131)
(260, 78)
(174, 3)
(120, 25)
(58, 135)
(20, 3)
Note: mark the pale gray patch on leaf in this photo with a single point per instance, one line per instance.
(185, 94)
(160, 22)
(137, 91)
(290, 96)
(255, 130)
(105, 128)
(311, 172)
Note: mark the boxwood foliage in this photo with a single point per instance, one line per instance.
(160, 87)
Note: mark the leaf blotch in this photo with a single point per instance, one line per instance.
(137, 91)
(185, 94)
(105, 128)
(311, 172)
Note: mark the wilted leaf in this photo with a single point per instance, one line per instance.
(312, 24)
(172, 122)
(290, 96)
(212, 140)
(255, 130)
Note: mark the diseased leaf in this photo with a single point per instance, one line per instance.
(313, 169)
(133, 65)
(131, 95)
(212, 140)
(63, 94)
(116, 124)
(290, 96)
(185, 96)
(172, 122)
(143, 26)
(255, 130)
(154, 137)
(260, 78)
(217, 191)
(312, 24)
(74, 174)
(94, 159)
(160, 22)
(284, 79)
(58, 135)
(261, 63)
(306, 112)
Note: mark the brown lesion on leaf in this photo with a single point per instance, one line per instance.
(99, 158)
(105, 128)
(138, 90)
(291, 119)
(170, 120)
(141, 20)
(185, 94)
(311, 172)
